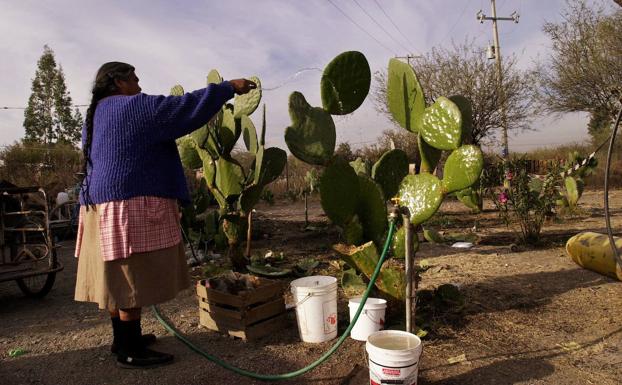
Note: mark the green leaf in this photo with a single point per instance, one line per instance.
(462, 168)
(345, 83)
(311, 137)
(422, 194)
(389, 171)
(229, 132)
(441, 125)
(268, 271)
(352, 283)
(247, 104)
(405, 97)
(339, 192)
(353, 231)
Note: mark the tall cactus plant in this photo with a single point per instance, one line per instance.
(355, 200)
(236, 190)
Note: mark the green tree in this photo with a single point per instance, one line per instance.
(461, 70)
(48, 118)
(583, 72)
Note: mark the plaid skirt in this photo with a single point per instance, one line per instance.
(142, 279)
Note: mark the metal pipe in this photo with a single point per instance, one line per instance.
(410, 263)
(616, 253)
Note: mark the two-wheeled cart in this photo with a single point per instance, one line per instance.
(27, 250)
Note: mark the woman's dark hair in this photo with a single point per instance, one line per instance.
(103, 86)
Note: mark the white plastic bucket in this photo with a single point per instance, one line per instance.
(371, 319)
(393, 357)
(316, 307)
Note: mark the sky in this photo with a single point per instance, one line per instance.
(284, 43)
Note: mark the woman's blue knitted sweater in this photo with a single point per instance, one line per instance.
(133, 151)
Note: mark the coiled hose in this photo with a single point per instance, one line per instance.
(277, 377)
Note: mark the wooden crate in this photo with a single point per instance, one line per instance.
(249, 314)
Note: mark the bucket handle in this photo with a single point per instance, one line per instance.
(291, 306)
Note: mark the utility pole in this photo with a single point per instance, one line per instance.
(408, 58)
(496, 51)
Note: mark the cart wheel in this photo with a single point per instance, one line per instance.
(37, 286)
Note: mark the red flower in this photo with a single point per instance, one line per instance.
(503, 198)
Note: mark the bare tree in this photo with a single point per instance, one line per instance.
(463, 70)
(584, 70)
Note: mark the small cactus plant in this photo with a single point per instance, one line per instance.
(235, 190)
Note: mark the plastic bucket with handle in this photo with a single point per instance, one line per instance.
(393, 357)
(316, 307)
(371, 319)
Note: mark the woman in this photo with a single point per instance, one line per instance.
(129, 247)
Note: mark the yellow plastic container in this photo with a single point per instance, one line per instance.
(593, 252)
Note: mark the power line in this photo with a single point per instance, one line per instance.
(395, 25)
(23, 108)
(466, 5)
(380, 25)
(361, 28)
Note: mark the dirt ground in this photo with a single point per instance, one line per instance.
(531, 317)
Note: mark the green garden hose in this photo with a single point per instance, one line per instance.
(324, 357)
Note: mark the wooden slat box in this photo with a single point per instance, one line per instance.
(248, 314)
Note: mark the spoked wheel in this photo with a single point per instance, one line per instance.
(37, 286)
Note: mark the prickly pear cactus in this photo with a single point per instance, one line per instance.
(429, 155)
(340, 191)
(462, 168)
(389, 171)
(311, 137)
(441, 125)
(345, 83)
(234, 190)
(405, 97)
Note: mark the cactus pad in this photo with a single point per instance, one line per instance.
(214, 77)
(441, 125)
(177, 90)
(339, 194)
(353, 231)
(345, 83)
(229, 177)
(469, 198)
(372, 209)
(466, 110)
(429, 155)
(247, 104)
(249, 134)
(188, 153)
(269, 164)
(391, 281)
(422, 194)
(405, 97)
(399, 243)
(389, 171)
(360, 166)
(573, 190)
(462, 168)
(311, 137)
(249, 198)
(228, 132)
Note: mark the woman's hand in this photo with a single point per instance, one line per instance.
(242, 86)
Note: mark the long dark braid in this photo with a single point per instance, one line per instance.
(103, 86)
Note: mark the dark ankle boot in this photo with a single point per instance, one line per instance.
(131, 353)
(146, 339)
